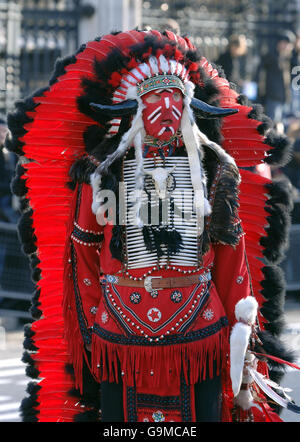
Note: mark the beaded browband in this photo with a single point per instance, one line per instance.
(159, 82)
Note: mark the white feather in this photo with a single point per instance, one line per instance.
(164, 65)
(153, 64)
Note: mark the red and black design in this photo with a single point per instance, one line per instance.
(64, 255)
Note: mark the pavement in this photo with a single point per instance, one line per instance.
(13, 380)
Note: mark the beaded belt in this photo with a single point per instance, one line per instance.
(151, 283)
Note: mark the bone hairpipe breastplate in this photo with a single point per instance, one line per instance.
(170, 179)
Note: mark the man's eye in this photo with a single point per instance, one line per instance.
(177, 96)
(153, 98)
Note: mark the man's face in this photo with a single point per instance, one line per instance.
(163, 112)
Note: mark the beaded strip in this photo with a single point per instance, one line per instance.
(86, 237)
(178, 338)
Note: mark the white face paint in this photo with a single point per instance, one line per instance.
(176, 111)
(162, 112)
(156, 116)
(161, 131)
(152, 115)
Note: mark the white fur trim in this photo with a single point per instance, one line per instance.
(246, 309)
(239, 340)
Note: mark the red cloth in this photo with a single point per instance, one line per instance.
(230, 283)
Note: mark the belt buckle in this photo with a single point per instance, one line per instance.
(148, 283)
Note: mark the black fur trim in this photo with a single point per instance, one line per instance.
(278, 206)
(62, 63)
(36, 313)
(24, 204)
(28, 341)
(223, 224)
(33, 388)
(257, 113)
(80, 172)
(281, 151)
(27, 359)
(273, 290)
(26, 233)
(59, 67)
(220, 70)
(243, 100)
(273, 346)
(28, 332)
(116, 243)
(28, 406)
(88, 416)
(280, 193)
(93, 136)
(16, 121)
(18, 184)
(28, 411)
(32, 372)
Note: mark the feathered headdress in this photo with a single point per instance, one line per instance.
(90, 106)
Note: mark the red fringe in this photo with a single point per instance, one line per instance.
(160, 365)
(72, 332)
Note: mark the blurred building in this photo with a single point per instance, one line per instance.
(33, 33)
(210, 23)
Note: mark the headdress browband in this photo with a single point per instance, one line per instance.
(160, 82)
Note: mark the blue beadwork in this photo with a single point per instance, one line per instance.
(112, 279)
(205, 277)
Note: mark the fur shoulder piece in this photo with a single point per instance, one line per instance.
(223, 225)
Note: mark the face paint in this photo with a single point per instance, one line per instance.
(162, 113)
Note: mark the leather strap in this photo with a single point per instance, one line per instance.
(155, 283)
